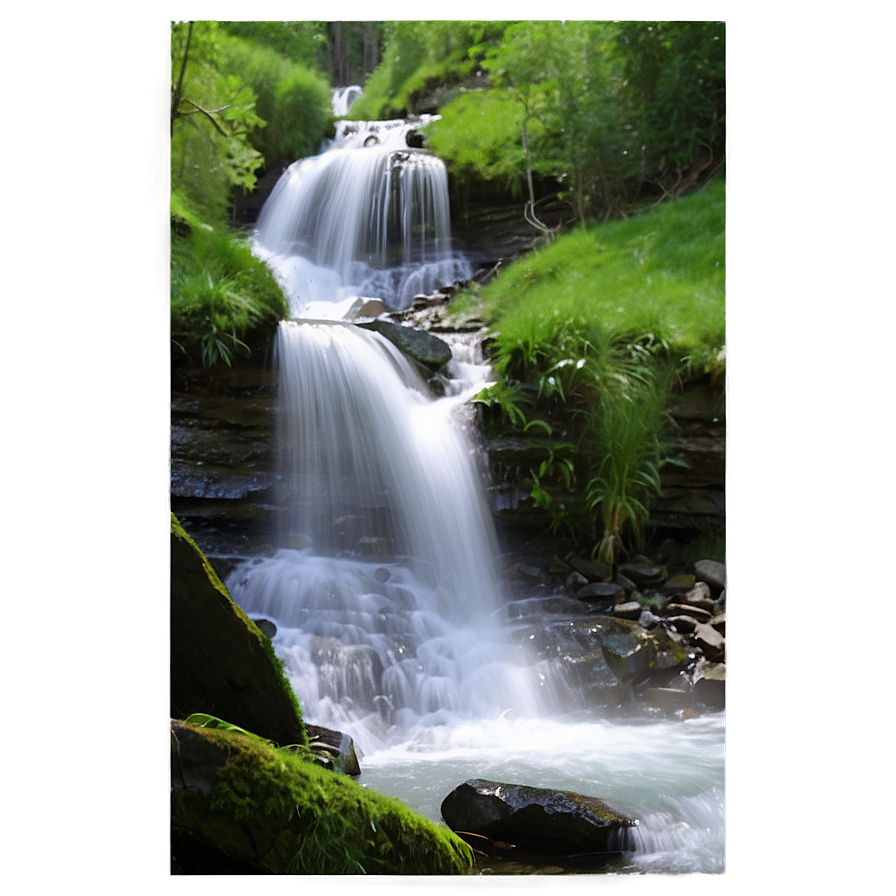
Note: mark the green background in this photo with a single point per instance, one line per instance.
(84, 456)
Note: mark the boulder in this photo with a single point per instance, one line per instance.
(537, 820)
(711, 642)
(600, 593)
(423, 347)
(241, 806)
(643, 573)
(713, 573)
(221, 663)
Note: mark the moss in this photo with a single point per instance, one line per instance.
(254, 807)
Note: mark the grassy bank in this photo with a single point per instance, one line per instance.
(593, 335)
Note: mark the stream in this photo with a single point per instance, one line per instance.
(389, 613)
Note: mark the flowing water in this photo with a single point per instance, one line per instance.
(389, 614)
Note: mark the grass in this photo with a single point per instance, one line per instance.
(660, 275)
(591, 335)
(220, 292)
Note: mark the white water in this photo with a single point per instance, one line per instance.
(367, 217)
(390, 618)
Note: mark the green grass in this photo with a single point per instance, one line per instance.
(592, 333)
(220, 292)
(659, 275)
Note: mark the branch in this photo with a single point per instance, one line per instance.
(208, 115)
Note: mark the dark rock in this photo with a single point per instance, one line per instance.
(625, 583)
(670, 700)
(709, 684)
(718, 623)
(428, 350)
(643, 573)
(629, 651)
(699, 596)
(537, 820)
(713, 573)
(710, 642)
(591, 569)
(600, 593)
(210, 639)
(684, 624)
(628, 610)
(336, 747)
(684, 581)
(266, 627)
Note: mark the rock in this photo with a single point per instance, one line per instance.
(718, 623)
(336, 747)
(240, 806)
(603, 593)
(628, 610)
(266, 627)
(537, 820)
(591, 569)
(221, 663)
(713, 573)
(423, 347)
(364, 308)
(697, 613)
(643, 573)
(710, 642)
(374, 548)
(670, 700)
(684, 581)
(683, 624)
(625, 583)
(709, 684)
(629, 651)
(575, 581)
(699, 596)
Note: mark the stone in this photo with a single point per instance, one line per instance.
(699, 596)
(710, 642)
(670, 700)
(683, 624)
(629, 651)
(600, 593)
(709, 684)
(643, 573)
(593, 570)
(697, 613)
(336, 747)
(266, 627)
(537, 820)
(713, 573)
(718, 623)
(423, 347)
(221, 663)
(684, 581)
(629, 610)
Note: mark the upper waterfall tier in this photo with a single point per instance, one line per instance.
(367, 217)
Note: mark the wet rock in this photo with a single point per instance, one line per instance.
(643, 573)
(266, 627)
(669, 700)
(625, 583)
(628, 649)
(698, 596)
(709, 684)
(536, 819)
(591, 569)
(336, 748)
(374, 548)
(718, 623)
(574, 582)
(423, 347)
(629, 610)
(713, 573)
(710, 642)
(684, 624)
(603, 593)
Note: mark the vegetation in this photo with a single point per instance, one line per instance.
(592, 335)
(220, 292)
(303, 818)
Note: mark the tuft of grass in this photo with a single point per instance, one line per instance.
(220, 292)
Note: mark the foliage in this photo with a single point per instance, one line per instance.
(591, 334)
(290, 41)
(212, 117)
(317, 821)
(220, 292)
(303, 113)
(417, 54)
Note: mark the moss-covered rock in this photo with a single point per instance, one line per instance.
(239, 805)
(221, 663)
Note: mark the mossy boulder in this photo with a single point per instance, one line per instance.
(221, 663)
(241, 806)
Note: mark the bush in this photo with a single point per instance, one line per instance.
(220, 292)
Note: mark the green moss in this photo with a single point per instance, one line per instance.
(281, 813)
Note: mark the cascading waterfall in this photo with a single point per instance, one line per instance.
(390, 620)
(367, 217)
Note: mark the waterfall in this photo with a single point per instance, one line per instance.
(367, 217)
(389, 615)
